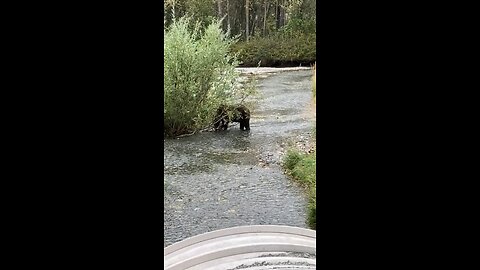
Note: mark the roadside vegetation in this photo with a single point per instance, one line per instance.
(301, 166)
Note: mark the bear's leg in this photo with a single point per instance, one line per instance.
(225, 125)
(219, 125)
(247, 124)
(242, 124)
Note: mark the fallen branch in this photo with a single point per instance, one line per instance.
(185, 135)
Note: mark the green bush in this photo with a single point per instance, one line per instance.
(199, 75)
(302, 168)
(280, 49)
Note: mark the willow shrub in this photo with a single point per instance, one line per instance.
(199, 75)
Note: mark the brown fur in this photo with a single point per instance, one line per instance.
(233, 113)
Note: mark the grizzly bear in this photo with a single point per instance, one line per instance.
(232, 113)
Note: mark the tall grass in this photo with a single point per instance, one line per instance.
(199, 75)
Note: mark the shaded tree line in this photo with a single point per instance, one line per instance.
(247, 18)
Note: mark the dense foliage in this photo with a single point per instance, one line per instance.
(199, 75)
(277, 51)
(274, 33)
(247, 18)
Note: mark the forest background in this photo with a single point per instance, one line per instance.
(270, 33)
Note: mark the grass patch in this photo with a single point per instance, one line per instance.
(302, 168)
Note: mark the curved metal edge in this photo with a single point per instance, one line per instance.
(277, 247)
(238, 230)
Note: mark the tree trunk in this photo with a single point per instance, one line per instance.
(219, 6)
(252, 31)
(228, 15)
(246, 17)
(220, 13)
(265, 19)
(277, 14)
